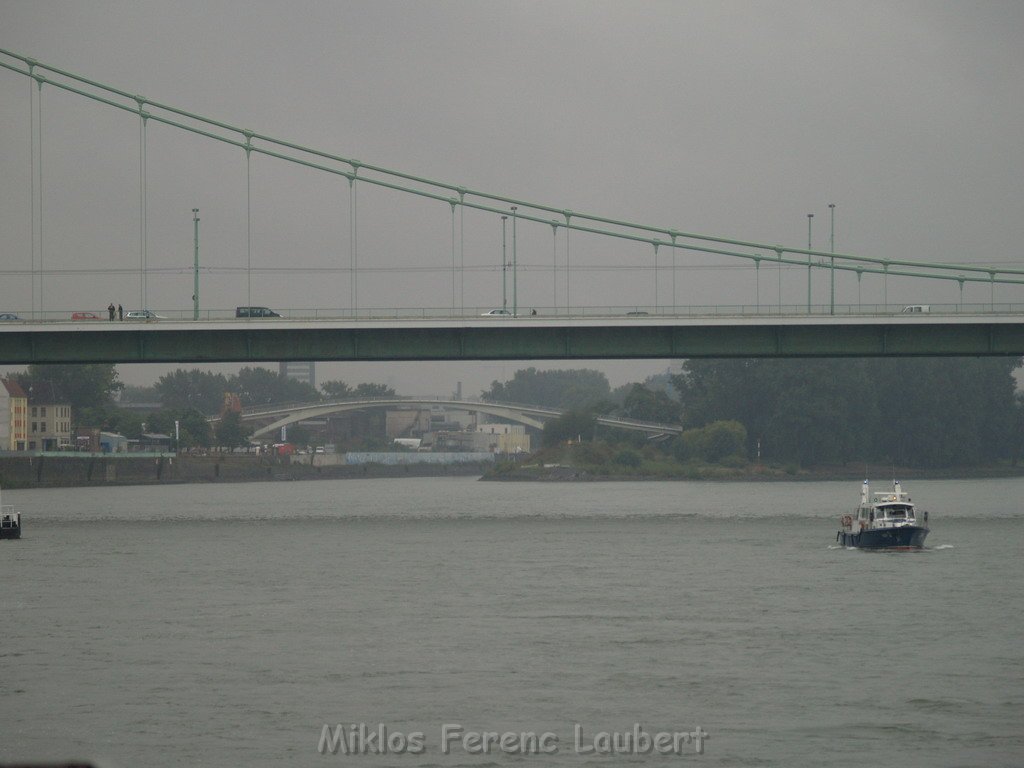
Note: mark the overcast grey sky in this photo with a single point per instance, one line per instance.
(723, 118)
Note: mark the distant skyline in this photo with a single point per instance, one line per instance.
(725, 118)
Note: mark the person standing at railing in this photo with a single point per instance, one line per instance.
(110, 310)
(120, 312)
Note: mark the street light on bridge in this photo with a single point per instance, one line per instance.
(504, 266)
(515, 294)
(832, 250)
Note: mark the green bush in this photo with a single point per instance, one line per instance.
(628, 458)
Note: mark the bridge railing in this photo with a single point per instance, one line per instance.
(549, 313)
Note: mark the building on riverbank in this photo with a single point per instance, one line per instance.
(13, 416)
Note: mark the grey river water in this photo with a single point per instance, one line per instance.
(226, 625)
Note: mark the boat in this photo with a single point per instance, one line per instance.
(10, 522)
(884, 520)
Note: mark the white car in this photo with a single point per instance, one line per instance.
(497, 313)
(143, 314)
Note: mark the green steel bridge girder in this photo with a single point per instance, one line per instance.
(511, 340)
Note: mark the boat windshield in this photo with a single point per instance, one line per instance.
(898, 511)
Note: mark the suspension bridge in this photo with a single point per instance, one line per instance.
(561, 305)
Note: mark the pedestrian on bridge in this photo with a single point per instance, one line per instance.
(110, 310)
(120, 312)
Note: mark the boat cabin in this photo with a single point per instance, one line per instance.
(886, 508)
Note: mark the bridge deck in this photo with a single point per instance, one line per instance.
(532, 338)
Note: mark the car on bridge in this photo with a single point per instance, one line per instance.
(84, 316)
(497, 313)
(8, 316)
(143, 314)
(255, 312)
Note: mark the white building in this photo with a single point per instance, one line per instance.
(501, 438)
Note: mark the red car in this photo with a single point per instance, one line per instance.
(84, 316)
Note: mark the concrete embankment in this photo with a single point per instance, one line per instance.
(72, 470)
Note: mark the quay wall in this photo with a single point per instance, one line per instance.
(74, 470)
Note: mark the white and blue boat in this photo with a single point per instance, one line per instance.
(884, 520)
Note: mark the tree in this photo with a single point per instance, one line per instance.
(912, 412)
(201, 390)
(579, 389)
(573, 425)
(373, 390)
(195, 429)
(231, 432)
(127, 423)
(723, 439)
(337, 390)
(261, 386)
(161, 422)
(83, 386)
(648, 405)
(130, 394)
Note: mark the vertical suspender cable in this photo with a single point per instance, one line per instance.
(554, 266)
(452, 204)
(462, 253)
(351, 240)
(40, 128)
(32, 183)
(656, 275)
(143, 288)
(778, 253)
(568, 215)
(248, 218)
(354, 254)
(673, 235)
(353, 243)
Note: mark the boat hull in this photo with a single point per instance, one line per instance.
(10, 533)
(903, 537)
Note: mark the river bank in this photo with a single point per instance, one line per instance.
(165, 469)
(760, 474)
(78, 470)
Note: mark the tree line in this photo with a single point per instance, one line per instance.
(911, 412)
(187, 397)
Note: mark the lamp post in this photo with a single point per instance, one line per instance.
(515, 294)
(195, 265)
(832, 250)
(809, 217)
(504, 266)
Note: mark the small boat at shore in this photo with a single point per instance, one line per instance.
(886, 520)
(10, 522)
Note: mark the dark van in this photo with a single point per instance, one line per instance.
(255, 312)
